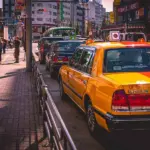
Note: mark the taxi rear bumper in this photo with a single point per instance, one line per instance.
(132, 122)
(125, 122)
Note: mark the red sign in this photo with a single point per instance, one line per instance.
(20, 2)
(128, 7)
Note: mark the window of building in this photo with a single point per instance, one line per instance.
(32, 5)
(6, 8)
(54, 14)
(48, 19)
(54, 6)
(6, 15)
(39, 4)
(50, 12)
(39, 12)
(33, 19)
(39, 19)
(54, 20)
(49, 5)
(6, 1)
(33, 12)
(12, 8)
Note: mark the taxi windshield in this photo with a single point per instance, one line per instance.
(127, 60)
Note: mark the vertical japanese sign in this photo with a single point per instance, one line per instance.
(6, 32)
(61, 11)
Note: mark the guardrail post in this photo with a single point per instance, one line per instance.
(44, 96)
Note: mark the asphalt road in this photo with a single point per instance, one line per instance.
(76, 124)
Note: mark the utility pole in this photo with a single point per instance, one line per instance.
(28, 41)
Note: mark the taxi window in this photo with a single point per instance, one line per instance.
(127, 60)
(85, 60)
(74, 61)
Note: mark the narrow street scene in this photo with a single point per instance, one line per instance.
(74, 74)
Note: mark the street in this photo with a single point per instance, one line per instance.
(77, 126)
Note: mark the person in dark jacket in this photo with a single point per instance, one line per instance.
(4, 46)
(0, 51)
(17, 49)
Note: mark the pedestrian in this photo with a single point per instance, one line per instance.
(4, 46)
(24, 46)
(0, 51)
(17, 49)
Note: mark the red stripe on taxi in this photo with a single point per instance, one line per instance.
(145, 74)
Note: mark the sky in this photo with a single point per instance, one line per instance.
(108, 4)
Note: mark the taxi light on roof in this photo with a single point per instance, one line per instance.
(114, 36)
(141, 40)
(89, 41)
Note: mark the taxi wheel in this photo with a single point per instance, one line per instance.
(91, 120)
(62, 93)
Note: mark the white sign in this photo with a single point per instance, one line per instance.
(6, 32)
(114, 36)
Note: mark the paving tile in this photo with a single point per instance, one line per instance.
(20, 124)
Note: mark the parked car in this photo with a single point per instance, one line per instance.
(43, 46)
(59, 54)
(111, 84)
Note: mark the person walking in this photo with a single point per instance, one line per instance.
(17, 49)
(4, 46)
(0, 51)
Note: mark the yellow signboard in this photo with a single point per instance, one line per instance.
(117, 2)
(111, 16)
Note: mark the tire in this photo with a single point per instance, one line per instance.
(62, 93)
(91, 120)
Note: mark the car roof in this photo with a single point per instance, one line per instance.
(65, 41)
(113, 45)
(47, 37)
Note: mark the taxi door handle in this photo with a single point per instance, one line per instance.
(71, 75)
(84, 82)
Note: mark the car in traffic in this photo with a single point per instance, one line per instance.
(132, 36)
(43, 46)
(110, 83)
(59, 54)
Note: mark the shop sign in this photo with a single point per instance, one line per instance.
(20, 2)
(117, 2)
(141, 12)
(128, 7)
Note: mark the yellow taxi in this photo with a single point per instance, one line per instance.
(110, 82)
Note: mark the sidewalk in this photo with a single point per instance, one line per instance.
(20, 124)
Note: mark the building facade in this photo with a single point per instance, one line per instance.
(1, 22)
(9, 15)
(94, 15)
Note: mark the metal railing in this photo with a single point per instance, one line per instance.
(54, 126)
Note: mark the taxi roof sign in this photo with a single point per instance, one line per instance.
(114, 36)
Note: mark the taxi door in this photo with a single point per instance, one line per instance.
(81, 76)
(74, 63)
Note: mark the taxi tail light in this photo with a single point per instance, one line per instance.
(65, 59)
(42, 48)
(139, 101)
(55, 59)
(120, 101)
